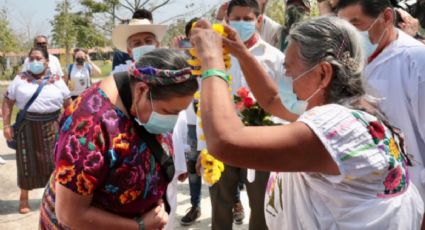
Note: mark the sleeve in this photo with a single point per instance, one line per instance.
(63, 88)
(179, 142)
(417, 91)
(81, 159)
(269, 29)
(347, 139)
(11, 89)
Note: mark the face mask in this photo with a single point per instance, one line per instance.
(79, 60)
(368, 46)
(289, 98)
(245, 29)
(138, 52)
(157, 123)
(36, 67)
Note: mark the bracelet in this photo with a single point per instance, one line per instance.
(141, 223)
(215, 72)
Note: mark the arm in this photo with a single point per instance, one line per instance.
(67, 102)
(7, 108)
(263, 87)
(95, 68)
(74, 211)
(252, 147)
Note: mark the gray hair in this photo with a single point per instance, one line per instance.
(337, 42)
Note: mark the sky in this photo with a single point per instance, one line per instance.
(31, 17)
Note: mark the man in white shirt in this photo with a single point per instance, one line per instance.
(244, 16)
(136, 38)
(54, 64)
(395, 72)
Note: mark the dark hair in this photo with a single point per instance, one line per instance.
(188, 26)
(172, 60)
(42, 50)
(371, 8)
(40, 36)
(143, 14)
(253, 4)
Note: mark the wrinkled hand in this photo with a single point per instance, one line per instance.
(234, 43)
(409, 24)
(221, 12)
(8, 133)
(182, 177)
(208, 45)
(156, 218)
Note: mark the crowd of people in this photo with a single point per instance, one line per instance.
(345, 90)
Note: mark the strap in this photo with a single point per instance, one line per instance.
(69, 71)
(167, 165)
(21, 114)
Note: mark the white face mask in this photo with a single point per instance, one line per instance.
(289, 98)
(139, 51)
(368, 46)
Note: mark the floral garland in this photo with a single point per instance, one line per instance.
(212, 168)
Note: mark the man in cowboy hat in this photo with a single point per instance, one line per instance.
(136, 38)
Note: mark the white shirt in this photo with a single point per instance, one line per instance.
(49, 100)
(54, 65)
(397, 75)
(179, 142)
(270, 58)
(269, 30)
(79, 79)
(370, 193)
(122, 67)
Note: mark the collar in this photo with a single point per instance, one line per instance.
(377, 52)
(252, 41)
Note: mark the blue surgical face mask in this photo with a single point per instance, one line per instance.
(289, 98)
(368, 46)
(138, 52)
(36, 67)
(157, 123)
(245, 29)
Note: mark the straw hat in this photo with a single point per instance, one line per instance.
(122, 32)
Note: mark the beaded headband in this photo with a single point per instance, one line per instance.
(154, 76)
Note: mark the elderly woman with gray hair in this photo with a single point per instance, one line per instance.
(340, 164)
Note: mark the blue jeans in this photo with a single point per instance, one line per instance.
(195, 181)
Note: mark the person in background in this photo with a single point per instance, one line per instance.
(120, 57)
(109, 174)
(395, 72)
(54, 63)
(341, 164)
(137, 38)
(80, 72)
(245, 16)
(35, 136)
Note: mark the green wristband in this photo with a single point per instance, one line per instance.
(215, 73)
(141, 223)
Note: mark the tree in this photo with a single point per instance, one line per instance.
(8, 41)
(64, 30)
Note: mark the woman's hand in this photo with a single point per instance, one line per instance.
(8, 132)
(208, 45)
(156, 218)
(234, 43)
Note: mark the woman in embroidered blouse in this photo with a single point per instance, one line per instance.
(36, 134)
(106, 175)
(341, 166)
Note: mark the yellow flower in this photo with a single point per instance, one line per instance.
(202, 137)
(197, 95)
(197, 72)
(219, 28)
(194, 62)
(394, 149)
(192, 52)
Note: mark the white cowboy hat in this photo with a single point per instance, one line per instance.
(122, 32)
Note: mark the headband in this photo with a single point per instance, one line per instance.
(154, 76)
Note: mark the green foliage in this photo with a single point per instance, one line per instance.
(276, 10)
(8, 41)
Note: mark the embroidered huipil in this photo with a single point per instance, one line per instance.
(98, 153)
(372, 192)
